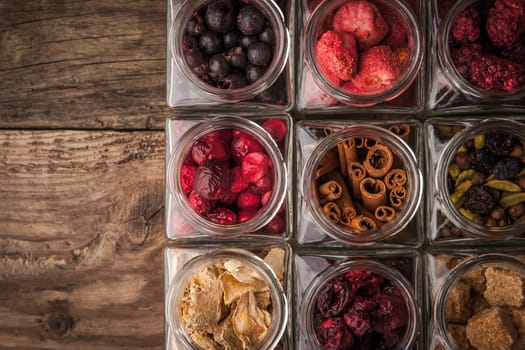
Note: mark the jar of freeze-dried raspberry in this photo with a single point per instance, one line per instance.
(480, 179)
(363, 52)
(362, 184)
(360, 304)
(229, 52)
(227, 176)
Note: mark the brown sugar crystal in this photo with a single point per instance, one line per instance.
(476, 279)
(459, 333)
(458, 308)
(503, 287)
(491, 329)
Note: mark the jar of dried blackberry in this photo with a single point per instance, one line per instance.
(228, 51)
(480, 179)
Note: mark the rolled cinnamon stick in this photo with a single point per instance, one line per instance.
(397, 196)
(356, 173)
(363, 224)
(329, 163)
(347, 153)
(329, 191)
(384, 213)
(369, 143)
(363, 211)
(344, 201)
(332, 212)
(395, 177)
(401, 130)
(373, 193)
(378, 161)
(360, 142)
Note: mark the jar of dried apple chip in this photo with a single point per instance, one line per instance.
(362, 53)
(480, 180)
(227, 297)
(360, 304)
(362, 184)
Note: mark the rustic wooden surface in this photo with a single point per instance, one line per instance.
(82, 110)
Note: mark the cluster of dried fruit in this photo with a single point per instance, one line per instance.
(488, 48)
(361, 184)
(228, 175)
(228, 305)
(364, 48)
(487, 181)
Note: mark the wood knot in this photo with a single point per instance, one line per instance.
(59, 324)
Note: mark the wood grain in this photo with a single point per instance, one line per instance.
(83, 64)
(81, 239)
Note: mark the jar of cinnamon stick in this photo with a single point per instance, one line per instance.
(362, 183)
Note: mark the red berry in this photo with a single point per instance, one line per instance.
(238, 183)
(262, 185)
(246, 214)
(255, 165)
(200, 151)
(223, 135)
(187, 175)
(277, 225)
(222, 216)
(276, 128)
(214, 149)
(265, 198)
(229, 199)
(199, 204)
(212, 180)
(244, 143)
(467, 25)
(246, 199)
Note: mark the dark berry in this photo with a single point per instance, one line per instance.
(237, 57)
(259, 53)
(267, 35)
(479, 200)
(467, 25)
(222, 216)
(195, 26)
(247, 40)
(220, 16)
(212, 180)
(196, 61)
(482, 160)
(499, 143)
(357, 322)
(234, 80)
(253, 72)
(334, 298)
(244, 143)
(189, 42)
(250, 20)
(329, 328)
(231, 39)
(219, 65)
(210, 42)
(507, 168)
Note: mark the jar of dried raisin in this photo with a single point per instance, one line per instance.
(362, 184)
(228, 297)
(362, 53)
(360, 304)
(224, 52)
(480, 180)
(479, 304)
(227, 176)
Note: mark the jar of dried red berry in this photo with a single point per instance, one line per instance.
(224, 52)
(480, 180)
(227, 177)
(360, 304)
(228, 296)
(362, 52)
(362, 184)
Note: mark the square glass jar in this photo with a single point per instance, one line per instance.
(315, 138)
(446, 224)
(272, 89)
(178, 257)
(317, 93)
(448, 90)
(274, 217)
(313, 268)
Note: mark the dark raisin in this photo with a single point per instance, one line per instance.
(210, 42)
(267, 35)
(219, 65)
(237, 57)
(234, 80)
(482, 160)
(250, 20)
(253, 73)
(220, 16)
(195, 26)
(507, 168)
(334, 297)
(231, 39)
(500, 144)
(259, 53)
(479, 200)
(247, 40)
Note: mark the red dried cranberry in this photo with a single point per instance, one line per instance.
(223, 135)
(212, 149)
(244, 143)
(222, 216)
(264, 184)
(237, 181)
(390, 314)
(357, 322)
(187, 174)
(277, 225)
(255, 165)
(199, 204)
(246, 199)
(265, 198)
(200, 151)
(212, 180)
(335, 296)
(246, 214)
(228, 199)
(276, 128)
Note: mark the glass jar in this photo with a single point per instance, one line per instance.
(402, 158)
(317, 91)
(474, 301)
(273, 89)
(477, 225)
(398, 285)
(184, 263)
(449, 89)
(183, 221)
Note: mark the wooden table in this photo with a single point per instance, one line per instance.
(82, 111)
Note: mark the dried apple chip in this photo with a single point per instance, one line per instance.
(250, 323)
(275, 259)
(225, 335)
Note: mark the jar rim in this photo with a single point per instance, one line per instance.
(274, 16)
(398, 147)
(446, 157)
(180, 151)
(416, 44)
(180, 280)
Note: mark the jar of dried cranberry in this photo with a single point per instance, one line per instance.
(229, 53)
(227, 176)
(360, 304)
(362, 184)
(361, 52)
(480, 179)
(480, 55)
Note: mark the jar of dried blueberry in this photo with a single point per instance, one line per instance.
(360, 304)
(228, 51)
(363, 52)
(362, 184)
(227, 177)
(227, 298)
(479, 304)
(480, 179)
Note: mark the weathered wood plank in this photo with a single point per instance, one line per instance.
(81, 239)
(83, 64)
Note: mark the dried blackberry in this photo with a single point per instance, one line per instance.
(482, 160)
(479, 200)
(500, 144)
(507, 168)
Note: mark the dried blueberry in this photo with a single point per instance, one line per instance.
(479, 200)
(234, 80)
(267, 35)
(259, 53)
(482, 160)
(237, 57)
(247, 40)
(219, 65)
(253, 73)
(334, 297)
(195, 26)
(210, 42)
(250, 20)
(500, 144)
(230, 39)
(507, 168)
(220, 16)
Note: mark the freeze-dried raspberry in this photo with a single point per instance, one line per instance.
(334, 297)
(507, 168)
(199, 204)
(463, 57)
(187, 174)
(479, 200)
(482, 160)
(255, 165)
(336, 57)
(222, 216)
(244, 143)
(506, 22)
(467, 25)
(212, 180)
(490, 72)
(276, 128)
(499, 143)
